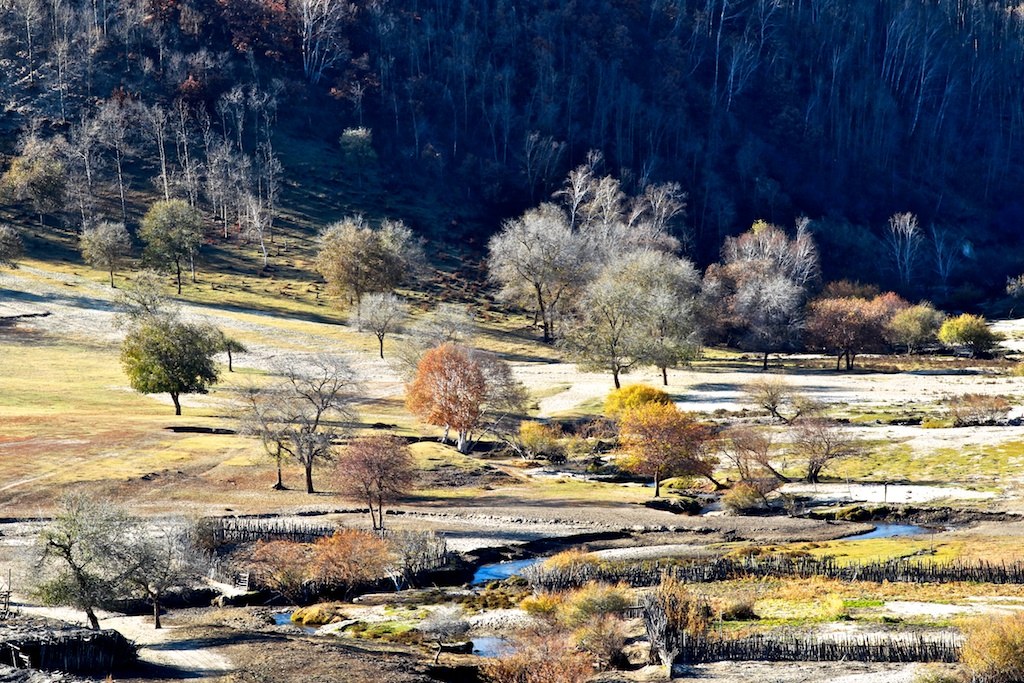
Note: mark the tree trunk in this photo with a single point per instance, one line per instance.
(112, 285)
(664, 376)
(380, 339)
(309, 478)
(230, 366)
(615, 376)
(279, 486)
(839, 359)
(177, 269)
(657, 486)
(177, 403)
(849, 360)
(764, 365)
(94, 623)
(437, 655)
(156, 612)
(462, 445)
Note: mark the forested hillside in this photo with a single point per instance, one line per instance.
(456, 114)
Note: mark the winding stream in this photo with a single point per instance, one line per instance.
(499, 571)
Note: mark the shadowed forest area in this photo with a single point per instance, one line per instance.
(456, 115)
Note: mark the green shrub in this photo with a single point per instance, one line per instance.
(971, 331)
(633, 396)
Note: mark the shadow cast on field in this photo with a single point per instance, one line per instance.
(70, 300)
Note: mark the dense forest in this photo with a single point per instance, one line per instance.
(845, 112)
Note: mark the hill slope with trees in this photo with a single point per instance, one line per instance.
(455, 115)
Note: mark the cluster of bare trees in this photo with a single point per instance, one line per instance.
(94, 553)
(599, 272)
(808, 439)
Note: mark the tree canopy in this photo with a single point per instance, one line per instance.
(162, 355)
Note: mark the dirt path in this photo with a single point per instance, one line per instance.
(171, 652)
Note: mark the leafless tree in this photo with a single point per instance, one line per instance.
(904, 243)
(947, 252)
(750, 450)
(162, 557)
(321, 35)
(303, 414)
(106, 246)
(778, 397)
(375, 470)
(539, 260)
(156, 126)
(115, 123)
(820, 441)
(383, 314)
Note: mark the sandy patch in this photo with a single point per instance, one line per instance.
(878, 493)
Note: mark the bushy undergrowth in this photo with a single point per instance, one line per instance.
(994, 650)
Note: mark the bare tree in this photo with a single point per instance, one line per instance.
(750, 450)
(778, 397)
(383, 314)
(904, 243)
(80, 555)
(444, 625)
(947, 251)
(819, 441)
(105, 246)
(115, 123)
(759, 290)
(145, 297)
(11, 246)
(162, 558)
(321, 34)
(376, 470)
(539, 260)
(304, 414)
(156, 126)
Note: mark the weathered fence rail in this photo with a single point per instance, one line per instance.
(722, 569)
(225, 530)
(70, 650)
(899, 648)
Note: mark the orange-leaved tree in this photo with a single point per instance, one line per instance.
(377, 470)
(464, 391)
(662, 441)
(349, 558)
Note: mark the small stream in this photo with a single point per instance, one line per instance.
(492, 646)
(285, 619)
(890, 531)
(499, 571)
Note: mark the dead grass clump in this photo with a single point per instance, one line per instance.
(736, 608)
(968, 410)
(569, 560)
(994, 650)
(540, 658)
(319, 614)
(592, 601)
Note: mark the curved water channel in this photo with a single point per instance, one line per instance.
(499, 571)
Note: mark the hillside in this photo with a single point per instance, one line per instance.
(460, 115)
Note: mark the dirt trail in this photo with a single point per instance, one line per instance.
(171, 649)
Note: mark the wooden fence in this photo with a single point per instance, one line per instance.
(73, 651)
(798, 648)
(706, 571)
(227, 530)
